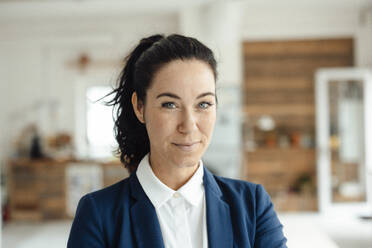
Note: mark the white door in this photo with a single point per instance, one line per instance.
(344, 140)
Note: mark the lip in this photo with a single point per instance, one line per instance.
(187, 146)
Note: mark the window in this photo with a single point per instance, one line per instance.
(99, 123)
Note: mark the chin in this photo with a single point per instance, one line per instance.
(184, 161)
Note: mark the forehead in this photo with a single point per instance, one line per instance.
(184, 76)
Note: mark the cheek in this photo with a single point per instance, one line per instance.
(159, 127)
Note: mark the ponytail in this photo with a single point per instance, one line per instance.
(130, 133)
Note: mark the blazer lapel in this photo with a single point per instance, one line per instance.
(220, 234)
(146, 225)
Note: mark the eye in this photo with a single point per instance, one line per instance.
(168, 105)
(205, 105)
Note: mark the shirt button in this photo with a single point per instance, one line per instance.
(176, 195)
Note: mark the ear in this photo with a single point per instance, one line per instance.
(138, 107)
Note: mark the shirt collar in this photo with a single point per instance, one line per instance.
(193, 190)
(159, 193)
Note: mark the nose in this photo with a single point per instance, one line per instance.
(188, 121)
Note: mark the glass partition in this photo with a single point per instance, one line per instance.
(346, 142)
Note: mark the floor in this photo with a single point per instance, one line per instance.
(314, 230)
(31, 235)
(302, 230)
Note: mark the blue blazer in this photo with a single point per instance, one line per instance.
(239, 214)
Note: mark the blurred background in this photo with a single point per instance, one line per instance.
(295, 107)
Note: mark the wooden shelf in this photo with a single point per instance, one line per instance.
(295, 202)
(279, 150)
(340, 199)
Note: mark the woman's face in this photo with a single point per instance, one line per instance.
(180, 112)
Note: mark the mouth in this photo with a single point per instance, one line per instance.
(187, 146)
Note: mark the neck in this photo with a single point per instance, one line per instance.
(173, 176)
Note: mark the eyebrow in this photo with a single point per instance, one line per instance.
(168, 94)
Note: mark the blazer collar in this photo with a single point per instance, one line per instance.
(146, 224)
(220, 233)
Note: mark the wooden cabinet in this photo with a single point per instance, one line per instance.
(37, 188)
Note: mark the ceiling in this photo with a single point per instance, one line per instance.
(23, 9)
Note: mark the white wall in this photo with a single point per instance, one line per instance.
(311, 20)
(218, 26)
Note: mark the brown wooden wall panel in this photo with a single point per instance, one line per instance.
(278, 96)
(327, 47)
(282, 109)
(292, 67)
(279, 81)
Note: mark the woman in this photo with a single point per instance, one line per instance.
(166, 111)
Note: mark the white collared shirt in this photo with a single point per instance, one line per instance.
(181, 213)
